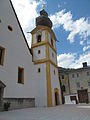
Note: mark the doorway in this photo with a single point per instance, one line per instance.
(56, 98)
(83, 96)
(56, 94)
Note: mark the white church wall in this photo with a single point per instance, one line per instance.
(43, 35)
(34, 39)
(49, 39)
(40, 85)
(52, 55)
(42, 54)
(16, 54)
(54, 82)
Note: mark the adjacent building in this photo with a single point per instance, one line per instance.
(77, 84)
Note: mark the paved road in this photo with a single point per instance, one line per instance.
(63, 112)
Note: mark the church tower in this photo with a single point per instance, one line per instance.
(44, 56)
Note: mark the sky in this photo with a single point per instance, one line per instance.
(71, 25)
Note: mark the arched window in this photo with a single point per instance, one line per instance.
(38, 38)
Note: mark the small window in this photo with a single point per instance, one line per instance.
(39, 51)
(88, 73)
(78, 85)
(0, 20)
(39, 70)
(73, 76)
(77, 75)
(89, 84)
(62, 76)
(20, 75)
(51, 41)
(39, 38)
(10, 28)
(2, 52)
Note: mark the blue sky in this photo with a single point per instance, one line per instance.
(71, 24)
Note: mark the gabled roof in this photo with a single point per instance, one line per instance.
(20, 27)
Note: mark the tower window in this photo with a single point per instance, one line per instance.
(39, 38)
(51, 41)
(2, 52)
(39, 51)
(10, 28)
(20, 75)
(39, 70)
(0, 20)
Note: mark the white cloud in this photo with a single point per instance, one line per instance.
(70, 60)
(79, 27)
(86, 48)
(65, 60)
(81, 42)
(26, 12)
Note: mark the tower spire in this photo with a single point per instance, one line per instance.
(43, 19)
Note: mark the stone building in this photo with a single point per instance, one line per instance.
(77, 84)
(79, 80)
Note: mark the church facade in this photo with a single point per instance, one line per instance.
(28, 77)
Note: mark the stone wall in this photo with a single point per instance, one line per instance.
(19, 103)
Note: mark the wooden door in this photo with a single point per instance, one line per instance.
(83, 96)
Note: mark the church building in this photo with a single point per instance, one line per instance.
(28, 77)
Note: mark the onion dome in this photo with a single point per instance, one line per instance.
(43, 19)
